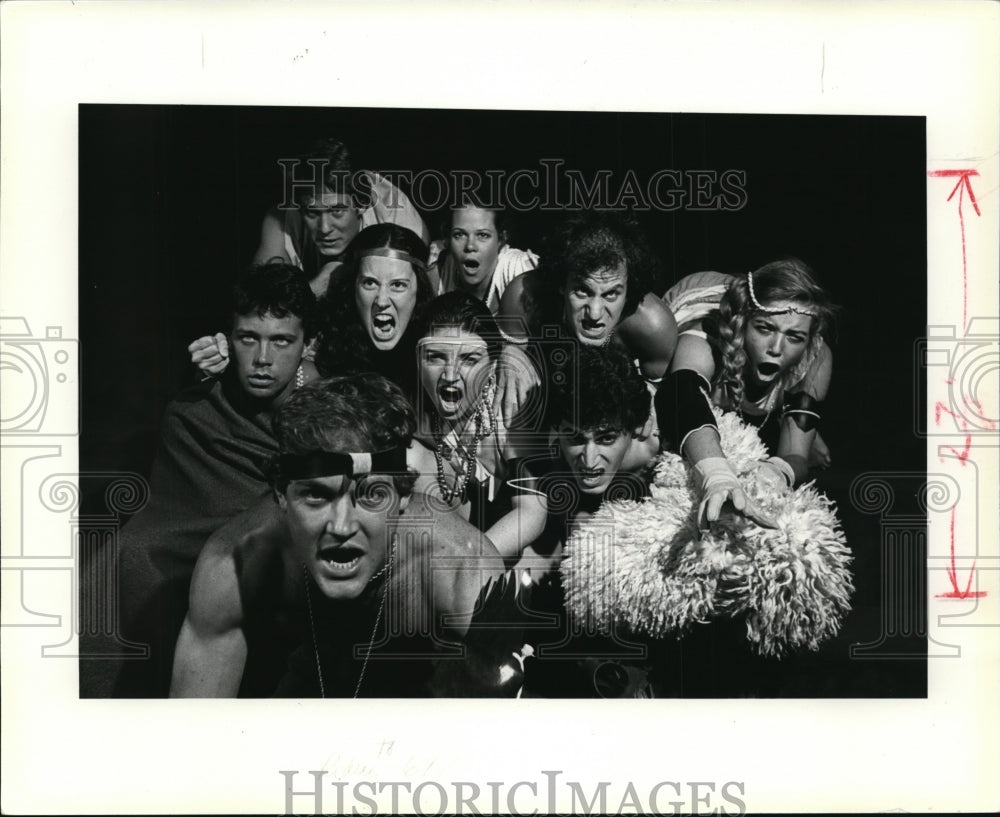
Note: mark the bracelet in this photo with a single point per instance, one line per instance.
(783, 468)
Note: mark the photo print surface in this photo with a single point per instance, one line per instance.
(172, 203)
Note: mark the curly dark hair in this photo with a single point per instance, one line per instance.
(605, 391)
(581, 245)
(788, 279)
(344, 346)
(278, 289)
(317, 415)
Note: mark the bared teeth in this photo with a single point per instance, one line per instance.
(340, 555)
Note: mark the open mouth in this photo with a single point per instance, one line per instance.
(449, 394)
(341, 559)
(590, 476)
(470, 264)
(768, 369)
(592, 328)
(384, 325)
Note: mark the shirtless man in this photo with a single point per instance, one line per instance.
(349, 584)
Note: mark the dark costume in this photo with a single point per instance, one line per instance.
(311, 648)
(216, 445)
(573, 661)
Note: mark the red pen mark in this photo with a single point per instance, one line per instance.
(955, 592)
(937, 412)
(970, 400)
(960, 187)
(962, 455)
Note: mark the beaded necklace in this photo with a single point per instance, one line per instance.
(462, 479)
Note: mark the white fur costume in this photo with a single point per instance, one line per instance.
(645, 566)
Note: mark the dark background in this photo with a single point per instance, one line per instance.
(171, 199)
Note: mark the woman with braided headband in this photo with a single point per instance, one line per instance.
(755, 345)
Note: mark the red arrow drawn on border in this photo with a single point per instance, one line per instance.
(955, 592)
(960, 187)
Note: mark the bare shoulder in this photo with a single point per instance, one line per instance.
(651, 321)
(447, 557)
(512, 300)
(817, 379)
(695, 353)
(236, 562)
(651, 335)
(272, 238)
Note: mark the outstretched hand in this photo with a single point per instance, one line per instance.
(720, 487)
(775, 473)
(517, 381)
(210, 354)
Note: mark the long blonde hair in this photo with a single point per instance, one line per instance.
(788, 280)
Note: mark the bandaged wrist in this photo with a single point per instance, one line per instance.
(782, 468)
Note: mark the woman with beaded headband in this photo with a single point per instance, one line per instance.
(369, 307)
(468, 454)
(756, 345)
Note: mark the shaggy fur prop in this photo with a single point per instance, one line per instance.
(645, 565)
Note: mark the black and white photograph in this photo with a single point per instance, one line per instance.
(623, 379)
(550, 306)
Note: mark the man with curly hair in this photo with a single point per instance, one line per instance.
(596, 408)
(595, 282)
(349, 584)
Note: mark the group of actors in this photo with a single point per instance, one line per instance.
(371, 489)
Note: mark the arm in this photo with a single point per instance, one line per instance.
(521, 526)
(798, 431)
(462, 561)
(684, 411)
(650, 333)
(211, 649)
(272, 240)
(512, 316)
(210, 354)
(517, 374)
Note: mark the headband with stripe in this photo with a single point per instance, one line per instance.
(328, 464)
(389, 252)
